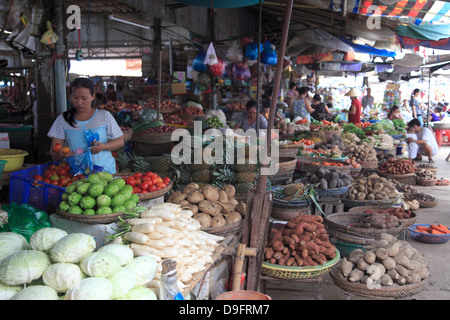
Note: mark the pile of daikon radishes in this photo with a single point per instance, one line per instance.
(166, 231)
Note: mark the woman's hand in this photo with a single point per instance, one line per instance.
(97, 148)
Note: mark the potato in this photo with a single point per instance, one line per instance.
(210, 193)
(191, 187)
(223, 197)
(209, 207)
(193, 208)
(179, 198)
(233, 200)
(230, 190)
(195, 197)
(173, 195)
(218, 221)
(241, 207)
(204, 219)
(233, 217)
(184, 203)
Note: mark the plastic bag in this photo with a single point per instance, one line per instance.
(218, 69)
(228, 70)
(50, 37)
(235, 52)
(241, 72)
(25, 219)
(211, 56)
(251, 50)
(216, 113)
(81, 163)
(149, 115)
(91, 138)
(199, 63)
(269, 55)
(203, 81)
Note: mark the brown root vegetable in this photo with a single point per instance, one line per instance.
(210, 193)
(204, 219)
(370, 257)
(227, 207)
(223, 197)
(389, 263)
(229, 190)
(233, 217)
(209, 207)
(381, 253)
(278, 246)
(241, 207)
(362, 264)
(403, 260)
(355, 275)
(386, 280)
(179, 197)
(218, 221)
(346, 267)
(195, 197)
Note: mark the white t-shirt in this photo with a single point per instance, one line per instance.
(427, 135)
(367, 104)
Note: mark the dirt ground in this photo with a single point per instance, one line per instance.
(438, 286)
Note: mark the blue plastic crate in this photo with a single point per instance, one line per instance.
(24, 189)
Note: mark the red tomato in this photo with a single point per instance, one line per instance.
(143, 186)
(57, 147)
(54, 182)
(38, 177)
(144, 191)
(138, 180)
(46, 180)
(61, 172)
(54, 177)
(63, 181)
(166, 180)
(146, 179)
(137, 175)
(52, 166)
(160, 185)
(137, 190)
(152, 188)
(131, 181)
(148, 173)
(154, 180)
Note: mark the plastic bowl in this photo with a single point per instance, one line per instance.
(14, 157)
(427, 238)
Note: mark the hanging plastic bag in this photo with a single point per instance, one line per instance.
(49, 37)
(241, 72)
(211, 56)
(251, 50)
(269, 55)
(235, 52)
(218, 69)
(199, 63)
(150, 115)
(228, 70)
(25, 219)
(203, 81)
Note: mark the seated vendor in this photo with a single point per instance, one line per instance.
(248, 119)
(425, 143)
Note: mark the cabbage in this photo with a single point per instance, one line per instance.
(72, 248)
(122, 282)
(124, 252)
(6, 292)
(100, 264)
(90, 289)
(144, 268)
(140, 293)
(62, 276)
(45, 238)
(23, 267)
(11, 242)
(36, 293)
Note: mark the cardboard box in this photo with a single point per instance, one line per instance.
(178, 88)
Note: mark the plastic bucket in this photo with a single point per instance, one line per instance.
(346, 248)
(243, 295)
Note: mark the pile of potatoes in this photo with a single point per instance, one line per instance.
(385, 263)
(213, 207)
(362, 152)
(372, 187)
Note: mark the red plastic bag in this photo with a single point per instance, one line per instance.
(218, 69)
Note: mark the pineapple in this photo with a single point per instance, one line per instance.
(244, 177)
(243, 187)
(293, 191)
(139, 164)
(123, 162)
(160, 163)
(222, 175)
(202, 176)
(245, 167)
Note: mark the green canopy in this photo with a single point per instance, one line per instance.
(425, 32)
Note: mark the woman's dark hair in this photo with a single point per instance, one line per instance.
(392, 111)
(416, 91)
(292, 85)
(413, 123)
(251, 104)
(439, 109)
(86, 83)
(317, 97)
(302, 90)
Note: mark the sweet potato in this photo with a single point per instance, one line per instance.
(278, 246)
(269, 253)
(310, 245)
(299, 260)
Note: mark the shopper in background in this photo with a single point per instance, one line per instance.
(69, 128)
(292, 94)
(427, 145)
(302, 106)
(437, 115)
(110, 94)
(395, 113)
(367, 102)
(416, 106)
(354, 113)
(321, 111)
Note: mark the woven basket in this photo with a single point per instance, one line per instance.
(288, 152)
(310, 167)
(360, 203)
(426, 183)
(128, 135)
(332, 192)
(354, 172)
(286, 214)
(152, 138)
(405, 222)
(150, 195)
(396, 292)
(369, 164)
(396, 176)
(292, 273)
(348, 238)
(226, 229)
(287, 164)
(343, 222)
(282, 178)
(96, 219)
(428, 204)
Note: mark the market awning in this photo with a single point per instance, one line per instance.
(368, 49)
(429, 36)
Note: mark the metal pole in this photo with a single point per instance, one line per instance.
(60, 68)
(258, 80)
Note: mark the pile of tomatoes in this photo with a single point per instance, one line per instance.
(146, 182)
(58, 175)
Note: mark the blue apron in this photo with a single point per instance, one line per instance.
(76, 141)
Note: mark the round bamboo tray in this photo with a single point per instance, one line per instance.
(96, 219)
(426, 183)
(286, 152)
(343, 222)
(291, 273)
(233, 228)
(360, 203)
(127, 135)
(286, 164)
(348, 238)
(369, 164)
(396, 176)
(286, 214)
(405, 222)
(152, 138)
(428, 204)
(431, 170)
(150, 195)
(361, 289)
(311, 167)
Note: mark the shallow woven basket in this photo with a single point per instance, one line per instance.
(369, 164)
(361, 289)
(405, 222)
(337, 192)
(233, 228)
(127, 135)
(292, 273)
(310, 167)
(428, 204)
(426, 183)
(287, 164)
(288, 152)
(396, 176)
(96, 219)
(360, 203)
(342, 222)
(152, 138)
(150, 195)
(286, 214)
(348, 238)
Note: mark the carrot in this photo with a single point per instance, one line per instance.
(422, 231)
(442, 230)
(422, 228)
(434, 231)
(443, 227)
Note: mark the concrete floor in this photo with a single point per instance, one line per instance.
(437, 255)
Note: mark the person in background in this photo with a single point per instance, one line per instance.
(248, 119)
(120, 93)
(321, 111)
(437, 115)
(395, 113)
(292, 94)
(267, 102)
(367, 102)
(416, 106)
(425, 140)
(302, 106)
(110, 94)
(70, 127)
(354, 113)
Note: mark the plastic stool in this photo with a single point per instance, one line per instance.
(440, 134)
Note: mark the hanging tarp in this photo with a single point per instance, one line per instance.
(324, 39)
(410, 43)
(360, 29)
(439, 13)
(368, 49)
(220, 3)
(424, 32)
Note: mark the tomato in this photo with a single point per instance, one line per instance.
(38, 177)
(65, 149)
(46, 180)
(166, 180)
(137, 190)
(61, 172)
(160, 185)
(57, 147)
(143, 186)
(159, 179)
(54, 182)
(144, 191)
(52, 166)
(154, 181)
(131, 181)
(152, 188)
(54, 177)
(137, 175)
(138, 180)
(63, 164)
(63, 181)
(148, 174)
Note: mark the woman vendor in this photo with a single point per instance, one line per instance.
(69, 128)
(354, 113)
(248, 119)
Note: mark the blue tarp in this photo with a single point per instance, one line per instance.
(368, 49)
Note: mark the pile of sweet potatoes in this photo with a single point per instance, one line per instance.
(399, 212)
(397, 166)
(303, 241)
(382, 220)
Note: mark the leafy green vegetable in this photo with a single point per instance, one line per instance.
(352, 128)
